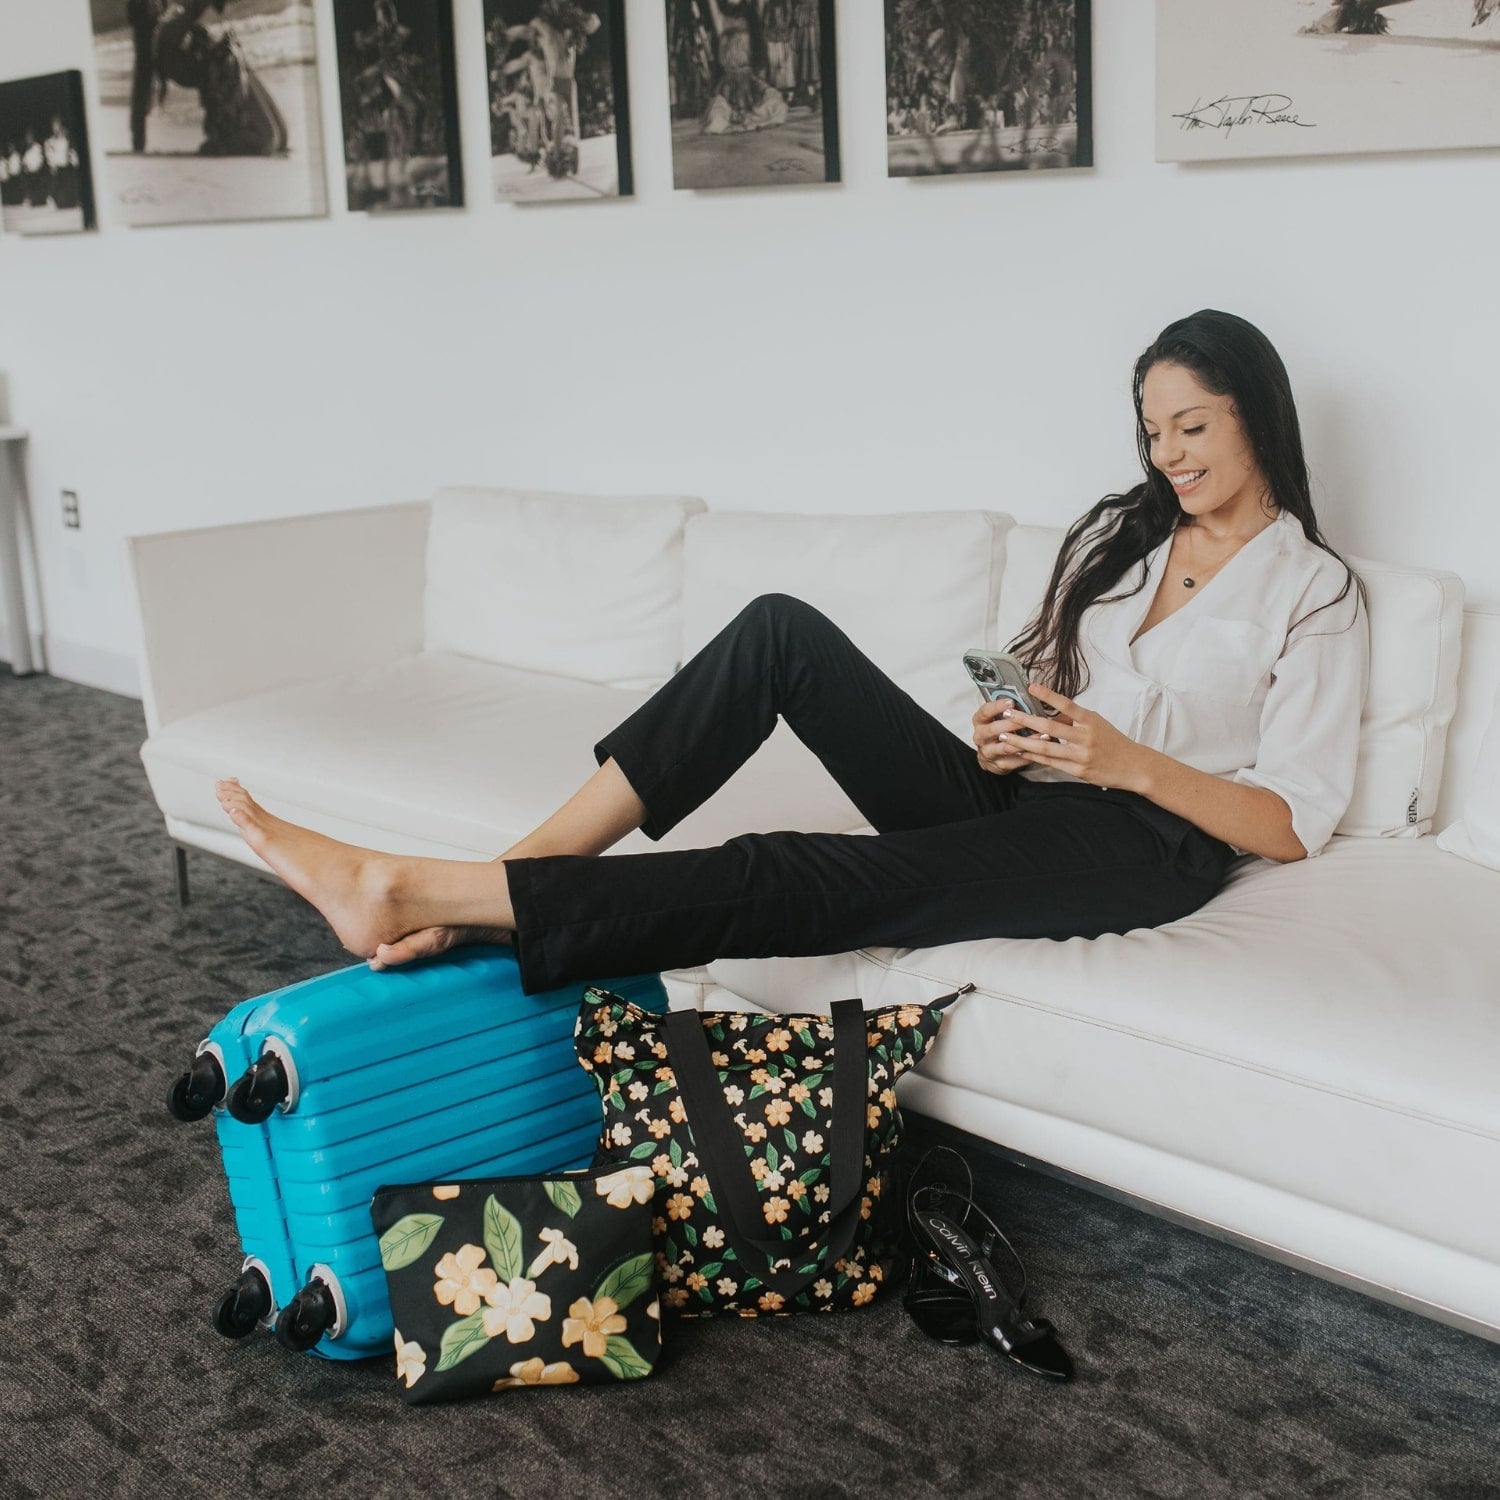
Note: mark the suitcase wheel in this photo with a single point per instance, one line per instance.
(306, 1318)
(253, 1100)
(195, 1093)
(243, 1306)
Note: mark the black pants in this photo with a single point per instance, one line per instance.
(959, 852)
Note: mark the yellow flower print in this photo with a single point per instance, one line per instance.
(797, 1190)
(512, 1309)
(677, 1111)
(866, 1208)
(725, 1287)
(771, 1301)
(872, 1187)
(863, 1293)
(658, 1227)
(888, 1098)
(679, 1206)
(798, 1092)
(909, 1015)
(411, 1361)
(778, 1040)
(778, 1112)
(699, 1188)
(758, 1168)
(665, 1075)
(603, 1053)
(775, 1210)
(872, 1038)
(605, 1021)
(872, 1117)
(661, 1165)
(697, 1281)
(446, 1194)
(876, 1274)
(720, 1059)
(628, 1185)
(461, 1284)
(559, 1251)
(733, 1096)
(755, 1131)
(713, 1237)
(812, 1142)
(534, 1372)
(759, 1076)
(822, 1290)
(591, 1324)
(659, 1129)
(755, 1055)
(677, 1297)
(670, 1273)
(659, 1049)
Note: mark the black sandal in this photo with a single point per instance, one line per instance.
(954, 1293)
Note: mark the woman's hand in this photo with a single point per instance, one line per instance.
(1088, 746)
(989, 720)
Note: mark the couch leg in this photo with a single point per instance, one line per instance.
(179, 856)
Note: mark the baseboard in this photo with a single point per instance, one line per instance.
(8, 657)
(113, 671)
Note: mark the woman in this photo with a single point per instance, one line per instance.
(1199, 717)
(743, 101)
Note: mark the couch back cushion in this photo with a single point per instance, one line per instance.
(913, 592)
(578, 586)
(1415, 626)
(1471, 763)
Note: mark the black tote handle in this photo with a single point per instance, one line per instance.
(721, 1148)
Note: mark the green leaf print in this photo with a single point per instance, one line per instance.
(712, 1269)
(622, 1361)
(757, 1091)
(407, 1240)
(806, 1037)
(791, 1140)
(809, 1109)
(812, 1175)
(641, 1152)
(709, 1204)
(663, 1088)
(675, 1152)
(564, 1196)
(916, 1041)
(462, 1339)
(772, 1157)
(690, 1235)
(502, 1238)
(626, 1281)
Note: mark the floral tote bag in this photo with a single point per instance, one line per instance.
(504, 1283)
(770, 1141)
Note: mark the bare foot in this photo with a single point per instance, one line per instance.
(431, 941)
(356, 890)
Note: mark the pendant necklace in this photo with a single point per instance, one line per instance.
(1188, 583)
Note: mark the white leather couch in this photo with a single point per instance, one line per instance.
(1306, 1065)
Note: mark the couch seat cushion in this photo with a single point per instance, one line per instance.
(438, 753)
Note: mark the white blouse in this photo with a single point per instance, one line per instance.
(1225, 683)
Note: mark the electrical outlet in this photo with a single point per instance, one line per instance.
(70, 509)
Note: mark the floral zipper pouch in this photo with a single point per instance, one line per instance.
(506, 1282)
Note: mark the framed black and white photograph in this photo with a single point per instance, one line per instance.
(754, 92)
(1324, 77)
(45, 186)
(987, 86)
(208, 110)
(559, 105)
(399, 96)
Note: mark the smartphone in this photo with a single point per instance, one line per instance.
(997, 676)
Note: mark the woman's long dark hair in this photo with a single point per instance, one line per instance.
(1229, 357)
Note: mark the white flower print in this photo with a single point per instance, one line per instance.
(812, 1143)
(676, 1176)
(713, 1237)
(820, 1192)
(559, 1251)
(620, 1133)
(411, 1361)
(773, 1182)
(825, 1098)
(512, 1308)
(627, 1186)
(725, 1287)
(637, 1092)
(625, 1050)
(461, 1282)
(822, 1290)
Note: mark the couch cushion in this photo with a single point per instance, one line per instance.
(1416, 620)
(1346, 989)
(1476, 835)
(1478, 687)
(443, 754)
(913, 592)
(577, 586)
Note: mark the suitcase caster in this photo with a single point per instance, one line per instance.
(195, 1093)
(307, 1317)
(243, 1306)
(268, 1084)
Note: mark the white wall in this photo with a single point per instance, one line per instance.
(876, 346)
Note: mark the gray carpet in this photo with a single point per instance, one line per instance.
(1204, 1370)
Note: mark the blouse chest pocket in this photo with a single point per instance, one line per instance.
(1224, 659)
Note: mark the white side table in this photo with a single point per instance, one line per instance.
(12, 586)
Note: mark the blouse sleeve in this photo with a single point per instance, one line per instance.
(1309, 722)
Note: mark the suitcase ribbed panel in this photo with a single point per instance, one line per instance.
(443, 1070)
